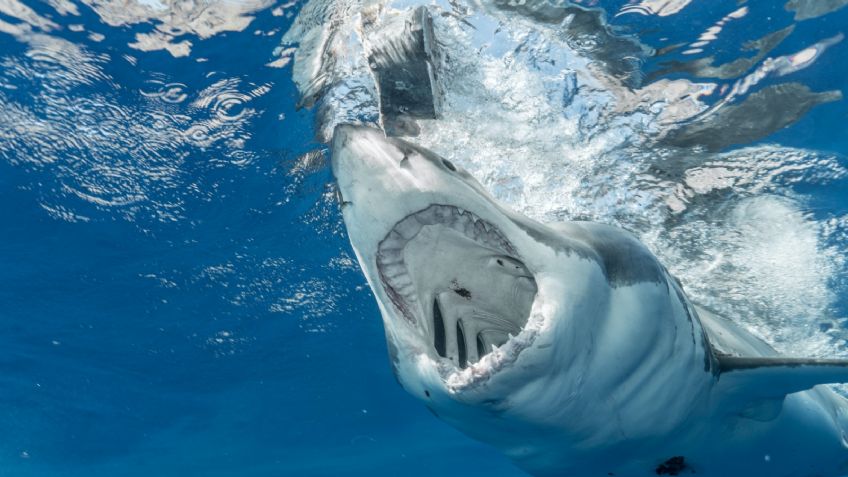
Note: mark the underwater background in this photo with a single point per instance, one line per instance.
(177, 292)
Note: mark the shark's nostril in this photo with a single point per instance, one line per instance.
(438, 330)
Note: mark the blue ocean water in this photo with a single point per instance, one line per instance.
(177, 299)
(177, 293)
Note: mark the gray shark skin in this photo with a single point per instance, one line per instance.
(568, 346)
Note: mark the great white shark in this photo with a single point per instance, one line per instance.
(569, 346)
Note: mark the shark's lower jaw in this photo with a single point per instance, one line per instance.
(458, 281)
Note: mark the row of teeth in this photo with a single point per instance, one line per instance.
(492, 363)
(390, 262)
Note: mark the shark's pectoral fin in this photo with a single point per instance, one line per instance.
(779, 375)
(753, 379)
(755, 387)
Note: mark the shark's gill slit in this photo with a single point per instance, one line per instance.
(460, 346)
(481, 290)
(438, 330)
(481, 348)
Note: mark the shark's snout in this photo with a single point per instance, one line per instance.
(360, 149)
(369, 169)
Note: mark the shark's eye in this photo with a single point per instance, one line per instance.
(449, 165)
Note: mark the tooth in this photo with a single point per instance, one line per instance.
(510, 336)
(388, 254)
(402, 281)
(388, 246)
(408, 228)
(389, 257)
(443, 213)
(393, 241)
(479, 229)
(427, 216)
(405, 290)
(394, 273)
(457, 222)
(390, 250)
(493, 243)
(468, 229)
(504, 245)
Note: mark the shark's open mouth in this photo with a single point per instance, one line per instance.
(458, 280)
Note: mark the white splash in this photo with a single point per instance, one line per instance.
(555, 136)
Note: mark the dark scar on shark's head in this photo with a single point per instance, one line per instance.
(461, 291)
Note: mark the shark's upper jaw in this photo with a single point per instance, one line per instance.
(390, 262)
(457, 280)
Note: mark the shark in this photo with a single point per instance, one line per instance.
(569, 346)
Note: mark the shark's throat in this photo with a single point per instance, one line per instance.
(456, 279)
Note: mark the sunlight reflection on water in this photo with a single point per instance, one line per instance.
(90, 144)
